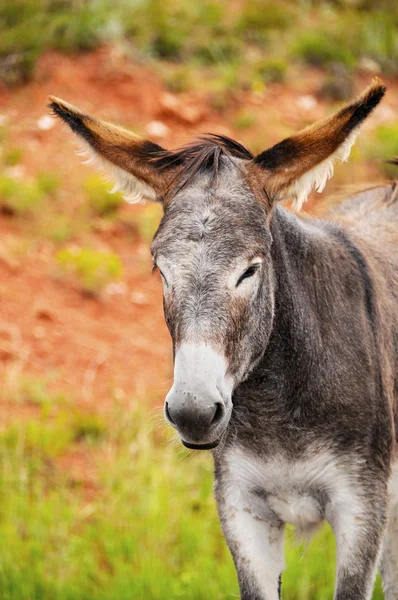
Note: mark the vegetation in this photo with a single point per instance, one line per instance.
(144, 524)
(93, 269)
(383, 146)
(205, 34)
(99, 197)
(24, 197)
(17, 196)
(150, 531)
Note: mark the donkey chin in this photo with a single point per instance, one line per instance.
(199, 404)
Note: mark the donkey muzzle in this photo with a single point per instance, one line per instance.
(199, 404)
(196, 419)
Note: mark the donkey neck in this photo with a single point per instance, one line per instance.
(321, 301)
(304, 254)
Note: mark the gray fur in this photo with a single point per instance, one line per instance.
(313, 352)
(285, 336)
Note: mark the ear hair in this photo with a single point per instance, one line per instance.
(305, 161)
(134, 191)
(123, 155)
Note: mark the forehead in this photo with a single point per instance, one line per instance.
(219, 213)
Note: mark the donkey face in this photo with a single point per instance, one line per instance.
(212, 249)
(213, 245)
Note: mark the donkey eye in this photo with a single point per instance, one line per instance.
(248, 273)
(156, 268)
(163, 277)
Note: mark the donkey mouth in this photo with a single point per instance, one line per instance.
(208, 446)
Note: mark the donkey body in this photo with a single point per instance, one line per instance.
(312, 431)
(285, 337)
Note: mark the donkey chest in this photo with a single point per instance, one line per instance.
(292, 491)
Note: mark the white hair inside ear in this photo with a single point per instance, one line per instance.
(133, 189)
(317, 177)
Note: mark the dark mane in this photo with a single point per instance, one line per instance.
(203, 155)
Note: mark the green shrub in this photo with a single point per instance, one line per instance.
(202, 33)
(258, 17)
(18, 196)
(377, 38)
(87, 427)
(322, 48)
(57, 226)
(13, 157)
(35, 390)
(93, 268)
(48, 183)
(272, 70)
(244, 119)
(40, 437)
(29, 26)
(100, 199)
(383, 146)
(217, 51)
(179, 79)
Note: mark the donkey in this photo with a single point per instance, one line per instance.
(285, 338)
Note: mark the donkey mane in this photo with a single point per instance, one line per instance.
(202, 155)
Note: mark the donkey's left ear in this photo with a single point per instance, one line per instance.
(132, 162)
(304, 162)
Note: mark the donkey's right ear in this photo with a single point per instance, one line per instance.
(132, 162)
(304, 161)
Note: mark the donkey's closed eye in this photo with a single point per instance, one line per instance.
(156, 268)
(248, 273)
(163, 277)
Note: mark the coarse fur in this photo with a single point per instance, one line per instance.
(285, 338)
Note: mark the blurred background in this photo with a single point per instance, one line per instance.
(97, 499)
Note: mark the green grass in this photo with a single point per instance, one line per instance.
(203, 35)
(383, 146)
(28, 389)
(150, 532)
(13, 157)
(26, 198)
(319, 48)
(93, 269)
(20, 197)
(100, 200)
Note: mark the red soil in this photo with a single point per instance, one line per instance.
(119, 348)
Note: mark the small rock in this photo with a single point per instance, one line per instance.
(44, 314)
(7, 352)
(45, 123)
(338, 85)
(192, 114)
(157, 129)
(16, 172)
(336, 90)
(138, 298)
(116, 289)
(184, 110)
(369, 65)
(169, 102)
(306, 102)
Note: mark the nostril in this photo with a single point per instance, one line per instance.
(219, 414)
(168, 415)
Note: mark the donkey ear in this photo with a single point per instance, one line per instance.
(128, 159)
(304, 162)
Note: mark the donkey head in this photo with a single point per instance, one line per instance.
(213, 245)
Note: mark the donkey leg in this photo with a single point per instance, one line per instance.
(255, 540)
(358, 528)
(389, 558)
